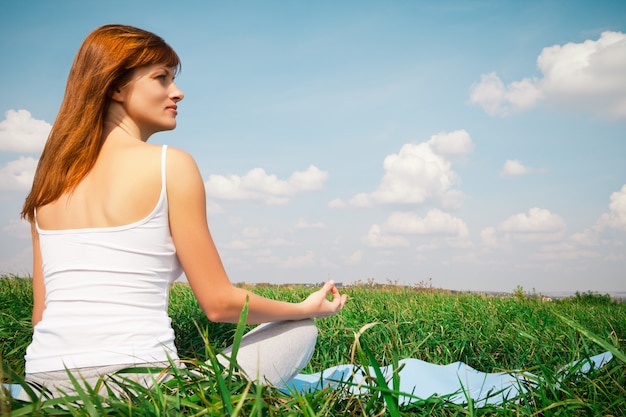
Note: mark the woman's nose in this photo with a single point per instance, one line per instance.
(176, 94)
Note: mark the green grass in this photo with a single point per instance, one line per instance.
(492, 334)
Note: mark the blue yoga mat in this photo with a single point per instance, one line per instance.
(456, 382)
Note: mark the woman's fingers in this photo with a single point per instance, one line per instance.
(338, 300)
(319, 303)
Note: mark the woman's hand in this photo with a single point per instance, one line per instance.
(320, 306)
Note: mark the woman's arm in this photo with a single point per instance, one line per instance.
(39, 290)
(220, 300)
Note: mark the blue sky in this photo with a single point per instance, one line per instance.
(470, 145)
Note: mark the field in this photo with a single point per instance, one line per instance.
(492, 334)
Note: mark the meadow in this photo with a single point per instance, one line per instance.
(521, 331)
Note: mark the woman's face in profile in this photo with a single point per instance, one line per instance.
(150, 98)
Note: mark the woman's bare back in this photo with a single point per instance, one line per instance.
(123, 187)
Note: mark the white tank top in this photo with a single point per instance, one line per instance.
(107, 293)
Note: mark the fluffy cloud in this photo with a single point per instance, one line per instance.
(590, 75)
(564, 251)
(418, 173)
(536, 221)
(580, 245)
(538, 225)
(378, 239)
(18, 174)
(616, 217)
(453, 143)
(436, 222)
(393, 232)
(413, 175)
(20, 132)
(497, 99)
(589, 237)
(514, 168)
(257, 185)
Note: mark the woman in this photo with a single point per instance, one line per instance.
(115, 221)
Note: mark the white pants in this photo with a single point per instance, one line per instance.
(271, 353)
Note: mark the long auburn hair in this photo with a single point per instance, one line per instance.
(104, 63)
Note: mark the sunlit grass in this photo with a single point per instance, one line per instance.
(492, 334)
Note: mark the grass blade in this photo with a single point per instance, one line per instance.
(593, 337)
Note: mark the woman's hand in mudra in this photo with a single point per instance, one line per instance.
(320, 306)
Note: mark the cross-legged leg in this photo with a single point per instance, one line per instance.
(275, 352)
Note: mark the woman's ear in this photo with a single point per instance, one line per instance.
(119, 95)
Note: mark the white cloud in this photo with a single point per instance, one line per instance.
(538, 225)
(303, 224)
(291, 262)
(453, 143)
(489, 237)
(453, 199)
(414, 175)
(578, 245)
(417, 173)
(253, 237)
(212, 208)
(445, 229)
(376, 238)
(537, 220)
(18, 174)
(468, 258)
(497, 99)
(616, 217)
(590, 76)
(252, 243)
(337, 203)
(359, 200)
(251, 232)
(564, 251)
(430, 246)
(594, 71)
(238, 244)
(514, 168)
(20, 132)
(279, 242)
(257, 185)
(589, 237)
(355, 258)
(436, 222)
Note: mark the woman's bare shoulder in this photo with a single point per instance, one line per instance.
(182, 170)
(181, 161)
(178, 155)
